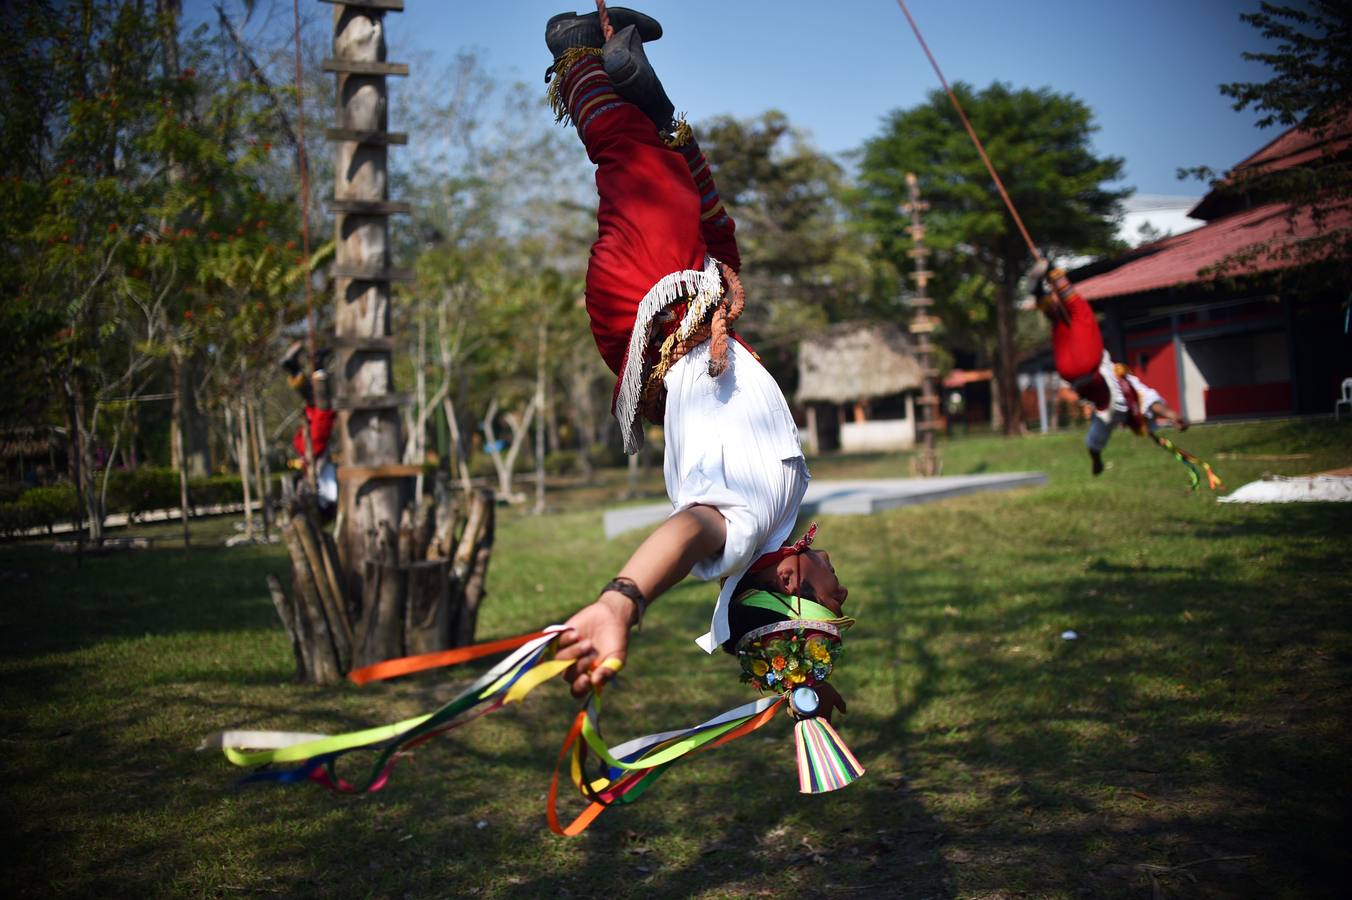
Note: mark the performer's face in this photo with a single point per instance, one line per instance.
(814, 578)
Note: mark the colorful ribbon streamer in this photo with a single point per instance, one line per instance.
(824, 762)
(508, 682)
(1192, 462)
(627, 770)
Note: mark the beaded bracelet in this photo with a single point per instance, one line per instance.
(626, 586)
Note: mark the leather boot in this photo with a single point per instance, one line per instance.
(568, 30)
(634, 78)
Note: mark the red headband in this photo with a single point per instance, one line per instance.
(793, 549)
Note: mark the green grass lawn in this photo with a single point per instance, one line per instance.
(1192, 742)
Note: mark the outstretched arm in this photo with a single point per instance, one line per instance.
(600, 631)
(1162, 412)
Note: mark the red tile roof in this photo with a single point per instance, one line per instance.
(1178, 259)
(1293, 147)
(956, 378)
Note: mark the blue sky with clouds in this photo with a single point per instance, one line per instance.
(1148, 68)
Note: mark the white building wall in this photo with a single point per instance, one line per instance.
(1194, 387)
(878, 435)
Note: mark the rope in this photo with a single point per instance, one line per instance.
(303, 162)
(716, 331)
(607, 31)
(971, 132)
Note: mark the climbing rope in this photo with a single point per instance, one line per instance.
(303, 162)
(607, 31)
(971, 132)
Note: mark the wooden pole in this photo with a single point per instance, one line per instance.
(927, 463)
(370, 428)
(286, 611)
(397, 580)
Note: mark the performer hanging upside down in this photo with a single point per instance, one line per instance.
(661, 290)
(1117, 396)
(319, 415)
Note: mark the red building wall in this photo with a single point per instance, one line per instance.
(1155, 362)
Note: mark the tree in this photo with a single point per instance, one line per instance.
(1310, 88)
(802, 265)
(1312, 67)
(145, 224)
(88, 210)
(1039, 142)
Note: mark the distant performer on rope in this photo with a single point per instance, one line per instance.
(319, 415)
(662, 292)
(1117, 396)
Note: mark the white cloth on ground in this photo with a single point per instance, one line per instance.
(731, 443)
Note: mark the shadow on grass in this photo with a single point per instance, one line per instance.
(1189, 742)
(60, 606)
(1154, 739)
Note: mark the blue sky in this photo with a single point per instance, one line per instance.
(1148, 68)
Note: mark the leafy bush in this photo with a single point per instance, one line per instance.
(39, 507)
(143, 489)
(562, 462)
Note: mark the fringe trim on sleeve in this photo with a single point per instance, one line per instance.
(702, 290)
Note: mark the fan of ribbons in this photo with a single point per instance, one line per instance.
(629, 768)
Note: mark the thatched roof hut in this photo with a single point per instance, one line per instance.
(22, 442)
(853, 361)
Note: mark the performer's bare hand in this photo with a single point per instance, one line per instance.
(829, 700)
(599, 632)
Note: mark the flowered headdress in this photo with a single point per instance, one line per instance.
(793, 657)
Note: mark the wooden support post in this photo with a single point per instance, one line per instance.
(322, 666)
(396, 580)
(286, 611)
(469, 567)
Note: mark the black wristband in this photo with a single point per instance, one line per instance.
(626, 586)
